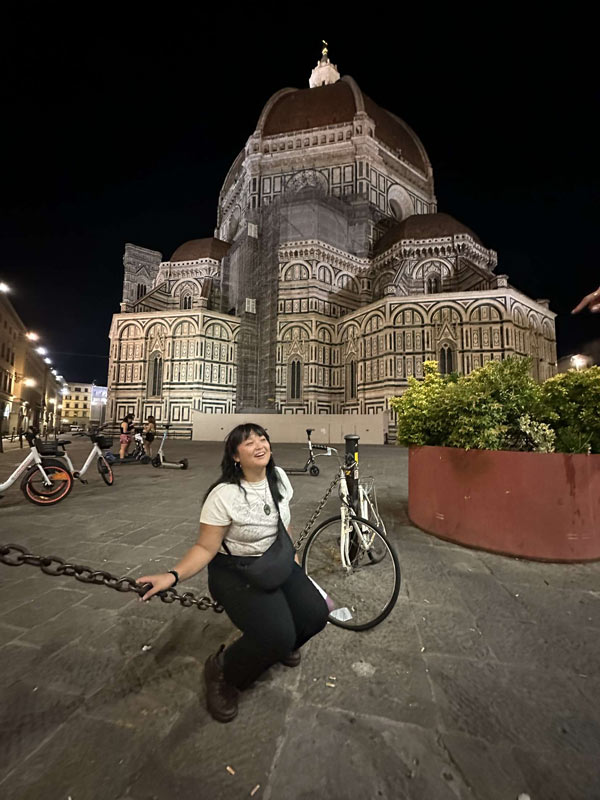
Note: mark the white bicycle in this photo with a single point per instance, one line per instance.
(45, 482)
(349, 556)
(99, 443)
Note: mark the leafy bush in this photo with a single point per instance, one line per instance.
(501, 407)
(571, 405)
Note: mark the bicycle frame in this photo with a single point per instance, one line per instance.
(33, 457)
(95, 452)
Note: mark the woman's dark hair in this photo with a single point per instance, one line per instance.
(128, 417)
(230, 473)
(151, 419)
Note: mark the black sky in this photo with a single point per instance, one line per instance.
(122, 129)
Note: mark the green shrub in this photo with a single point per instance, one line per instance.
(501, 407)
(571, 405)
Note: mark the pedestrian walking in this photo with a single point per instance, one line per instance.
(13, 434)
(252, 571)
(126, 435)
(21, 438)
(149, 434)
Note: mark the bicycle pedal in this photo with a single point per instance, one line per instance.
(82, 480)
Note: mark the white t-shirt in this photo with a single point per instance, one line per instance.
(251, 531)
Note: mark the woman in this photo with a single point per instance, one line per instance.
(149, 434)
(125, 435)
(239, 515)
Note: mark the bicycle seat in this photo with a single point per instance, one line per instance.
(64, 441)
(309, 431)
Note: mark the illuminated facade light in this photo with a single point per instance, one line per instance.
(41, 350)
(33, 337)
(29, 382)
(4, 288)
(48, 361)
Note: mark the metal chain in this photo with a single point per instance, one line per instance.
(14, 555)
(309, 524)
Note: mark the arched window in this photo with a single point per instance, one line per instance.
(295, 380)
(433, 285)
(186, 301)
(446, 360)
(155, 376)
(141, 290)
(351, 382)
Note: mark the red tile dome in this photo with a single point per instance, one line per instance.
(292, 110)
(424, 226)
(196, 249)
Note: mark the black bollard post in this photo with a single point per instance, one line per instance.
(351, 463)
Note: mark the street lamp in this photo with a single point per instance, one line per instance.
(33, 337)
(29, 382)
(41, 350)
(579, 362)
(4, 288)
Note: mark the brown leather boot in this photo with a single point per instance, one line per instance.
(221, 697)
(293, 659)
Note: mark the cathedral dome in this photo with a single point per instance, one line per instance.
(196, 249)
(424, 226)
(302, 109)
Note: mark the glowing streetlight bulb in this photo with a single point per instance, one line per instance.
(48, 361)
(29, 382)
(33, 337)
(579, 361)
(4, 288)
(41, 350)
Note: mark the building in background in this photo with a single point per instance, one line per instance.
(331, 277)
(30, 388)
(98, 409)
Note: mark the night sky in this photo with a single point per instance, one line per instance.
(122, 129)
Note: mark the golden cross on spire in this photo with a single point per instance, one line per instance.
(325, 50)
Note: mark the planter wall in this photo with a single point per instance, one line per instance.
(532, 505)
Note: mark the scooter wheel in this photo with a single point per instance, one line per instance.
(314, 470)
(184, 463)
(145, 459)
(156, 461)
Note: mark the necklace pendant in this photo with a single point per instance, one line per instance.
(267, 509)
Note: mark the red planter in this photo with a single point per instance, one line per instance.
(533, 505)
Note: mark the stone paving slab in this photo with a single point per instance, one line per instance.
(483, 683)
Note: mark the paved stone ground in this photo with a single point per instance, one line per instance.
(483, 683)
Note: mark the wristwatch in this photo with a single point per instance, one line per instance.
(173, 572)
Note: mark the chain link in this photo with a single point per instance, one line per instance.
(307, 528)
(14, 555)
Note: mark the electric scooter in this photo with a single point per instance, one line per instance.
(310, 465)
(159, 459)
(138, 456)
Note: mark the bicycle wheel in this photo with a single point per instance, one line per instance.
(364, 593)
(105, 471)
(37, 492)
(36, 482)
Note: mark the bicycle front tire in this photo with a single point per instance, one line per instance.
(364, 594)
(105, 471)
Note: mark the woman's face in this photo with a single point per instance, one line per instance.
(254, 452)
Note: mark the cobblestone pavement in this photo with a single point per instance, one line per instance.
(483, 683)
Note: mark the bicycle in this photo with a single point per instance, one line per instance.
(98, 441)
(349, 555)
(44, 482)
(311, 465)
